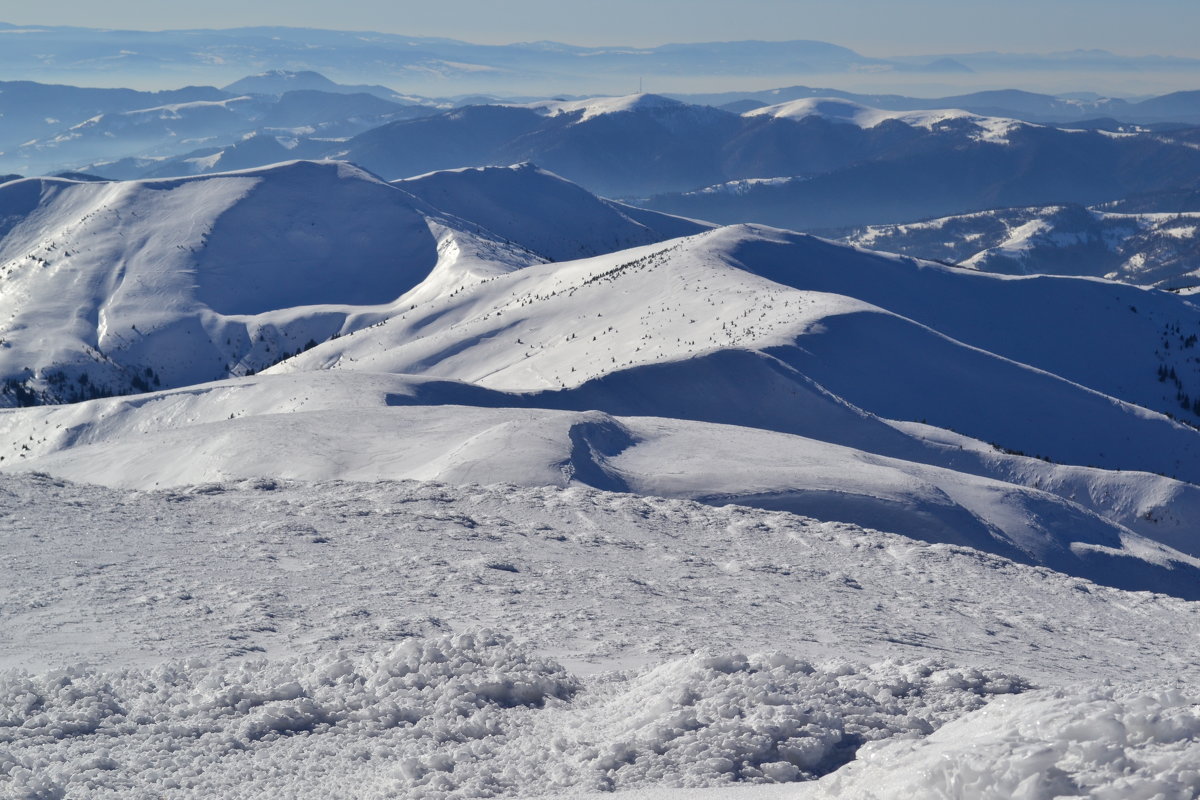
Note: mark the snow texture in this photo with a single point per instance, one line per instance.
(1092, 741)
(267, 638)
(465, 715)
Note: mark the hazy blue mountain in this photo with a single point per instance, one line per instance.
(949, 171)
(119, 128)
(619, 146)
(280, 82)
(812, 164)
(35, 110)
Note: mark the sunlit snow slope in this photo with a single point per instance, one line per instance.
(113, 287)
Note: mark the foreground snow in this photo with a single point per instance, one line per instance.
(469, 715)
(1096, 741)
(268, 639)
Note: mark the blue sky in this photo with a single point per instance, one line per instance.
(874, 27)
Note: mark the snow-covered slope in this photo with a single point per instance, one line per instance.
(554, 217)
(258, 624)
(682, 117)
(356, 426)
(114, 287)
(816, 344)
(1160, 250)
(1033, 365)
(861, 363)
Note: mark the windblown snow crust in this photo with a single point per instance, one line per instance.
(1098, 742)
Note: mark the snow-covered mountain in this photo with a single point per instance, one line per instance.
(817, 162)
(1161, 250)
(903, 166)
(809, 163)
(987, 129)
(942, 403)
(113, 287)
(613, 146)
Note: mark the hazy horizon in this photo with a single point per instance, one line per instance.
(872, 27)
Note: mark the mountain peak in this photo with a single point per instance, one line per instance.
(278, 81)
(601, 106)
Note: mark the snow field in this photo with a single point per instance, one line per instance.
(268, 639)
(115, 287)
(268, 567)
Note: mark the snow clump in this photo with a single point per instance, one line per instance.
(1100, 742)
(466, 715)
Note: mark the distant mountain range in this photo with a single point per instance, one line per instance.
(418, 64)
(813, 163)
(54, 128)
(809, 164)
(279, 114)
